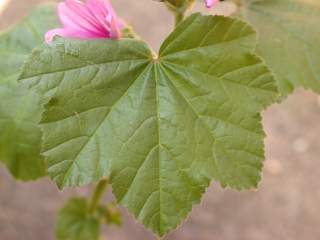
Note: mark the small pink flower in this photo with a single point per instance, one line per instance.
(87, 20)
(210, 3)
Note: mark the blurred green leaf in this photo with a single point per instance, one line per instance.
(75, 222)
(110, 214)
(20, 108)
(162, 127)
(289, 36)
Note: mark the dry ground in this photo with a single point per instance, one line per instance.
(286, 206)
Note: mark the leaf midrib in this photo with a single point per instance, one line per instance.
(194, 112)
(223, 120)
(80, 67)
(163, 51)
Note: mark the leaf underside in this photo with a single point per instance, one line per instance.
(162, 127)
(20, 108)
(289, 40)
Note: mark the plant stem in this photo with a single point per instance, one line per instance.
(179, 16)
(178, 11)
(97, 195)
(238, 2)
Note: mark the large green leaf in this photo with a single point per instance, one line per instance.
(20, 135)
(289, 39)
(75, 222)
(20, 108)
(162, 127)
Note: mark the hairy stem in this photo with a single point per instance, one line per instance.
(98, 194)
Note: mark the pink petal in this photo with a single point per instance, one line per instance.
(114, 29)
(85, 13)
(85, 20)
(70, 33)
(103, 11)
(52, 33)
(99, 10)
(73, 14)
(210, 3)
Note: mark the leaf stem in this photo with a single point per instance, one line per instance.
(238, 2)
(97, 195)
(179, 16)
(179, 9)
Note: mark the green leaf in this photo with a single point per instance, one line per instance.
(110, 214)
(75, 223)
(20, 108)
(20, 135)
(84, 85)
(289, 40)
(17, 42)
(162, 127)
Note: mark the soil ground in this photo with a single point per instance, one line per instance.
(286, 206)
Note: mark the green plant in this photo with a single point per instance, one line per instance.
(157, 127)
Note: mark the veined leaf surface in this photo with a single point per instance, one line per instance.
(161, 126)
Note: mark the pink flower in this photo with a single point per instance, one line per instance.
(210, 3)
(87, 20)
